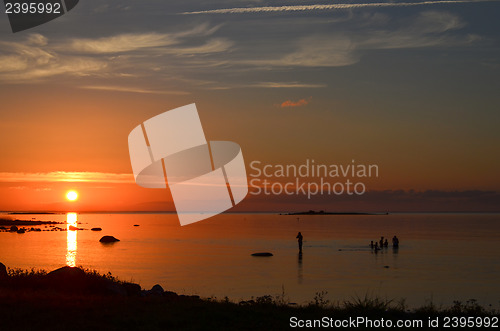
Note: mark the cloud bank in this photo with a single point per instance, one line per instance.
(65, 176)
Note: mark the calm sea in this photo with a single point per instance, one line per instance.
(442, 257)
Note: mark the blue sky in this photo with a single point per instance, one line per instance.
(411, 86)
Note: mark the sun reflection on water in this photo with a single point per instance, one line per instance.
(71, 220)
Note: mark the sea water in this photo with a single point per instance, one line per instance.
(441, 258)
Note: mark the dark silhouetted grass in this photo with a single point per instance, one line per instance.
(28, 302)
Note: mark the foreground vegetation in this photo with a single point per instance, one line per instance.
(76, 299)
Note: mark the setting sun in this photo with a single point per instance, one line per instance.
(72, 195)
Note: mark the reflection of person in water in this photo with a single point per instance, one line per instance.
(371, 244)
(395, 242)
(299, 239)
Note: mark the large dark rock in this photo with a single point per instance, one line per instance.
(66, 273)
(21, 230)
(67, 279)
(3, 271)
(96, 229)
(13, 228)
(108, 239)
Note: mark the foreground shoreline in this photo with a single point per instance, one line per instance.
(82, 299)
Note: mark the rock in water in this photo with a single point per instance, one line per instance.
(21, 230)
(96, 229)
(73, 228)
(262, 254)
(108, 239)
(13, 228)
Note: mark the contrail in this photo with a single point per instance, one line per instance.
(327, 7)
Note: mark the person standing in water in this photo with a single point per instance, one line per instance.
(299, 239)
(395, 242)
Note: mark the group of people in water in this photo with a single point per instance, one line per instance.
(384, 243)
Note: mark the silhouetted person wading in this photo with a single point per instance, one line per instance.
(395, 242)
(299, 239)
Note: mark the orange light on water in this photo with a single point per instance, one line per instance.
(71, 239)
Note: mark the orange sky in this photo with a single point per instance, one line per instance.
(85, 131)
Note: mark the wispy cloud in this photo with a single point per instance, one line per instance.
(290, 103)
(320, 50)
(426, 29)
(122, 43)
(64, 176)
(299, 8)
(286, 85)
(36, 58)
(131, 89)
(135, 41)
(216, 45)
(268, 85)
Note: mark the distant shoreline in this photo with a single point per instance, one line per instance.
(321, 212)
(6, 222)
(6, 212)
(30, 213)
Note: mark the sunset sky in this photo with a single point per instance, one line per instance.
(412, 88)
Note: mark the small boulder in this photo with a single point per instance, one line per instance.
(108, 239)
(73, 228)
(21, 230)
(157, 289)
(263, 254)
(13, 228)
(96, 229)
(136, 224)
